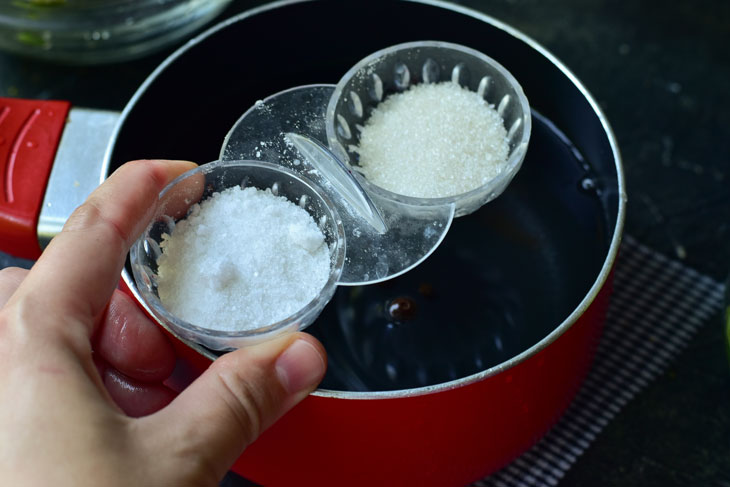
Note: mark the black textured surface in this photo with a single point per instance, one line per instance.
(659, 70)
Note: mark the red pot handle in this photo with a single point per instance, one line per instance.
(29, 134)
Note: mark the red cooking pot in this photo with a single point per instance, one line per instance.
(501, 320)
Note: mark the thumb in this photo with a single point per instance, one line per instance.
(206, 428)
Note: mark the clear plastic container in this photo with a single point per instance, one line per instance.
(395, 69)
(384, 238)
(99, 31)
(193, 187)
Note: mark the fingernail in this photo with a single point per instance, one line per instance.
(300, 367)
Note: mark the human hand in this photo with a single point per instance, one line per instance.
(59, 419)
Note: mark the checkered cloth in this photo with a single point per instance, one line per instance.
(657, 306)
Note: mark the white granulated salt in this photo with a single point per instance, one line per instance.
(433, 140)
(242, 259)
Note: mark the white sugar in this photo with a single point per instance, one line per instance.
(433, 140)
(242, 259)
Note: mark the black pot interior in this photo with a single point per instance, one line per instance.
(503, 278)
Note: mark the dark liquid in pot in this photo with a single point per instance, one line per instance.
(504, 277)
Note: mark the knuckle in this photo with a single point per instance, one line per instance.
(244, 405)
(12, 273)
(10, 279)
(24, 322)
(247, 404)
(90, 216)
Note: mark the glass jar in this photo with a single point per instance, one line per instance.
(99, 31)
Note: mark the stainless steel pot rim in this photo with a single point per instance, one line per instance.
(597, 285)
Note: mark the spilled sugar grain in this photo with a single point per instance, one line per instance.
(242, 259)
(432, 141)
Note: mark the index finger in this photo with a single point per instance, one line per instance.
(79, 270)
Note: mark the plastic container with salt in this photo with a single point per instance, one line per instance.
(207, 182)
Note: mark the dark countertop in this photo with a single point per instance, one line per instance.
(660, 71)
